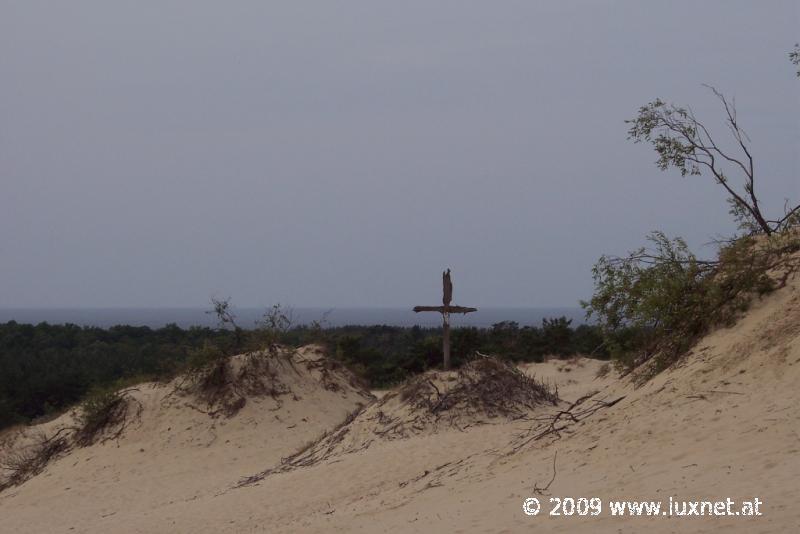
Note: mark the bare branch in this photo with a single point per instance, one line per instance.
(540, 491)
(682, 141)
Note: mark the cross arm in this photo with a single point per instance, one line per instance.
(444, 309)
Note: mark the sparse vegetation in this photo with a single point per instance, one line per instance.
(224, 385)
(104, 415)
(483, 389)
(603, 370)
(18, 464)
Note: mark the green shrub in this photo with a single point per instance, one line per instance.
(655, 303)
(102, 409)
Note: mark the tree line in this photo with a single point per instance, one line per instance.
(46, 368)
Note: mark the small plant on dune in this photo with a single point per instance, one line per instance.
(104, 415)
(273, 326)
(20, 464)
(209, 373)
(226, 321)
(224, 384)
(603, 370)
(207, 366)
(211, 379)
(484, 386)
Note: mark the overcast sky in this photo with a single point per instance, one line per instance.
(156, 153)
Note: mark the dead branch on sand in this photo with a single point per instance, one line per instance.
(29, 461)
(554, 424)
(484, 388)
(301, 458)
(540, 491)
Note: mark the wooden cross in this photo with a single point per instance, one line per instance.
(446, 310)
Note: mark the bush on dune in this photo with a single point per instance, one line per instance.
(655, 303)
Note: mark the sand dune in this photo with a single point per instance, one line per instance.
(176, 452)
(724, 423)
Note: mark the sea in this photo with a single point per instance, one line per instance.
(248, 317)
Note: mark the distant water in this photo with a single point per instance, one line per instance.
(247, 317)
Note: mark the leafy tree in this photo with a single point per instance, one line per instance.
(683, 142)
(658, 300)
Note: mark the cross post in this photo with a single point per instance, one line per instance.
(446, 309)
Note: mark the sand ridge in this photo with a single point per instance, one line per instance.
(179, 448)
(484, 391)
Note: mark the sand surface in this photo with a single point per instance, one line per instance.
(724, 423)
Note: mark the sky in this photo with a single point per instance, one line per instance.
(315, 153)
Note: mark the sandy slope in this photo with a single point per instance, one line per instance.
(176, 452)
(726, 423)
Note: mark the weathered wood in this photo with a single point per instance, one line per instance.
(447, 288)
(446, 310)
(446, 340)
